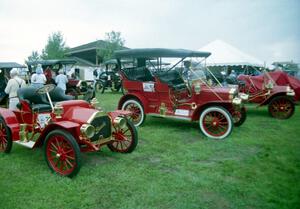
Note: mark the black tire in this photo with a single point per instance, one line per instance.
(65, 150)
(281, 107)
(136, 108)
(99, 86)
(104, 86)
(119, 145)
(5, 137)
(239, 117)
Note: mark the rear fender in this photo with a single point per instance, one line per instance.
(198, 111)
(137, 97)
(71, 127)
(11, 121)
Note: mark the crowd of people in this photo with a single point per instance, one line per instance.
(37, 80)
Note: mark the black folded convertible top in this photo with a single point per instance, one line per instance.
(159, 52)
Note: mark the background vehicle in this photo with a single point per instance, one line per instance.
(64, 128)
(165, 92)
(109, 78)
(272, 89)
(75, 86)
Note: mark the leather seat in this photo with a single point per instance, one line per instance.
(41, 108)
(37, 102)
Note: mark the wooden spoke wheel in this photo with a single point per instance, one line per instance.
(216, 122)
(138, 115)
(5, 137)
(238, 116)
(126, 139)
(281, 107)
(62, 153)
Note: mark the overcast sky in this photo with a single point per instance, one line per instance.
(266, 29)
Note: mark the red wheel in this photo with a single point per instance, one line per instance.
(215, 122)
(62, 153)
(5, 137)
(239, 116)
(135, 107)
(126, 139)
(281, 107)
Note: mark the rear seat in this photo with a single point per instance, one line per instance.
(139, 74)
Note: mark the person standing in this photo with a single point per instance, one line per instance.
(38, 79)
(14, 83)
(61, 80)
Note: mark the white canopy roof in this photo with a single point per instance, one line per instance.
(223, 54)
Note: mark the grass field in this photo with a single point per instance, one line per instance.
(174, 166)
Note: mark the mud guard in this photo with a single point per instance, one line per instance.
(69, 126)
(12, 122)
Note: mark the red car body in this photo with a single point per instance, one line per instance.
(75, 124)
(167, 95)
(264, 90)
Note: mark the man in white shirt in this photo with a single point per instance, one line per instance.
(14, 83)
(61, 80)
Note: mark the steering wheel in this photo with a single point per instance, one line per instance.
(45, 89)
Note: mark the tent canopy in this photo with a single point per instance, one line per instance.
(223, 54)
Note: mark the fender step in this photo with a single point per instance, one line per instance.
(29, 144)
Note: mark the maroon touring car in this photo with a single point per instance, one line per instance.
(166, 92)
(64, 127)
(264, 90)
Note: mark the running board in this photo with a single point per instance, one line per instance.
(170, 116)
(29, 144)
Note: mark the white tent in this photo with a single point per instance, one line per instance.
(223, 54)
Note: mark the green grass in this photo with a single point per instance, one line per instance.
(174, 166)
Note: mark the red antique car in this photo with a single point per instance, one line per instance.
(263, 90)
(64, 127)
(167, 92)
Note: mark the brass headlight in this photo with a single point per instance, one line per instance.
(232, 93)
(244, 96)
(289, 91)
(121, 122)
(87, 130)
(237, 101)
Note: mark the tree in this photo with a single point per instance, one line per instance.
(33, 57)
(113, 41)
(55, 47)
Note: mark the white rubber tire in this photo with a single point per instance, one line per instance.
(226, 115)
(138, 104)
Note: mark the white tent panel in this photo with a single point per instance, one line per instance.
(223, 54)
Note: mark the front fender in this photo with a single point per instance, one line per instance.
(117, 113)
(11, 121)
(199, 109)
(71, 127)
(136, 96)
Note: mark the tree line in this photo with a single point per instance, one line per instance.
(56, 47)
